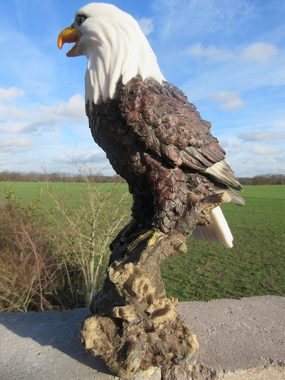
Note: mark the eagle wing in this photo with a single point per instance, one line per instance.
(170, 128)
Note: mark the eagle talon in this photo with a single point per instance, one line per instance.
(153, 239)
(125, 234)
(148, 236)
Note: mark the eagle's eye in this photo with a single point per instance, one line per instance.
(79, 19)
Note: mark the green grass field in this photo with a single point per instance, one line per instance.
(255, 266)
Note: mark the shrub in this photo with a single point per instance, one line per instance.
(56, 258)
(29, 270)
(85, 234)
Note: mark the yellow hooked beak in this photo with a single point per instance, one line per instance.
(70, 34)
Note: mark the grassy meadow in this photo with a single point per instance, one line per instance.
(255, 266)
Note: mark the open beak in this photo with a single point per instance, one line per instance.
(68, 35)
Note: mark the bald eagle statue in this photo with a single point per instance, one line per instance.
(154, 138)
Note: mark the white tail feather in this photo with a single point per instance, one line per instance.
(217, 230)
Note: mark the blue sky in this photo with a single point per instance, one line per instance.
(228, 56)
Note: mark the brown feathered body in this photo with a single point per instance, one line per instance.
(156, 140)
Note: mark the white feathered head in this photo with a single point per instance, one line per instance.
(115, 47)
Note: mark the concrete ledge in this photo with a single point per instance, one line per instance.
(239, 340)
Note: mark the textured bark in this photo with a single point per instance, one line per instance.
(134, 326)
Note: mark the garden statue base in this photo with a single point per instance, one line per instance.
(134, 326)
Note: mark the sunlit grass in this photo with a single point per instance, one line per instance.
(255, 266)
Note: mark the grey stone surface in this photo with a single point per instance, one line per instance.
(239, 339)
(238, 334)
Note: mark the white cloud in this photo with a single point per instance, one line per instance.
(236, 75)
(232, 145)
(72, 110)
(270, 135)
(39, 118)
(32, 135)
(211, 53)
(10, 113)
(146, 25)
(259, 52)
(249, 166)
(263, 150)
(9, 145)
(229, 100)
(86, 161)
(10, 93)
(83, 158)
(254, 142)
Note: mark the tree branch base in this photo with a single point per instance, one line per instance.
(135, 327)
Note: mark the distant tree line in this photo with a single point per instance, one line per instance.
(56, 177)
(264, 179)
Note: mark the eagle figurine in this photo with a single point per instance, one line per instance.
(153, 137)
